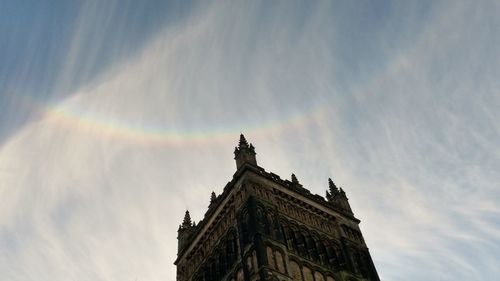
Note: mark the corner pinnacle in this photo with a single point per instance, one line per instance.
(243, 142)
(186, 223)
(213, 197)
(333, 188)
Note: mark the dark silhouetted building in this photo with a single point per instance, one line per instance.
(265, 228)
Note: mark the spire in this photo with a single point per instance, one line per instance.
(244, 153)
(185, 231)
(333, 188)
(186, 223)
(243, 142)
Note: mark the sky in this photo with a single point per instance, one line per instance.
(117, 116)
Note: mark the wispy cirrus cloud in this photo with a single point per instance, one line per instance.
(95, 186)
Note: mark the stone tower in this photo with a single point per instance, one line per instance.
(263, 227)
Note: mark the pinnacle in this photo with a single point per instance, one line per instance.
(244, 153)
(342, 192)
(333, 188)
(187, 220)
(294, 179)
(213, 197)
(330, 182)
(243, 142)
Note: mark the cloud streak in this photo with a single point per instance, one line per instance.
(95, 186)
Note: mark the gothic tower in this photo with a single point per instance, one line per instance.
(263, 227)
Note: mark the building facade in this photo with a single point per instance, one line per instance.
(263, 227)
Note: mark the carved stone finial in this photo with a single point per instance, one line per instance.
(294, 179)
(333, 188)
(185, 231)
(186, 223)
(213, 197)
(243, 142)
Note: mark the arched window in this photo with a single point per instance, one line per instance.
(231, 248)
(338, 253)
(311, 248)
(301, 244)
(280, 263)
(270, 257)
(321, 251)
(333, 260)
(307, 274)
(318, 276)
(295, 239)
(295, 271)
(287, 235)
(270, 224)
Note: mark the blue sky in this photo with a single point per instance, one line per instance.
(115, 117)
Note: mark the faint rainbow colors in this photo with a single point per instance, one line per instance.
(71, 118)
